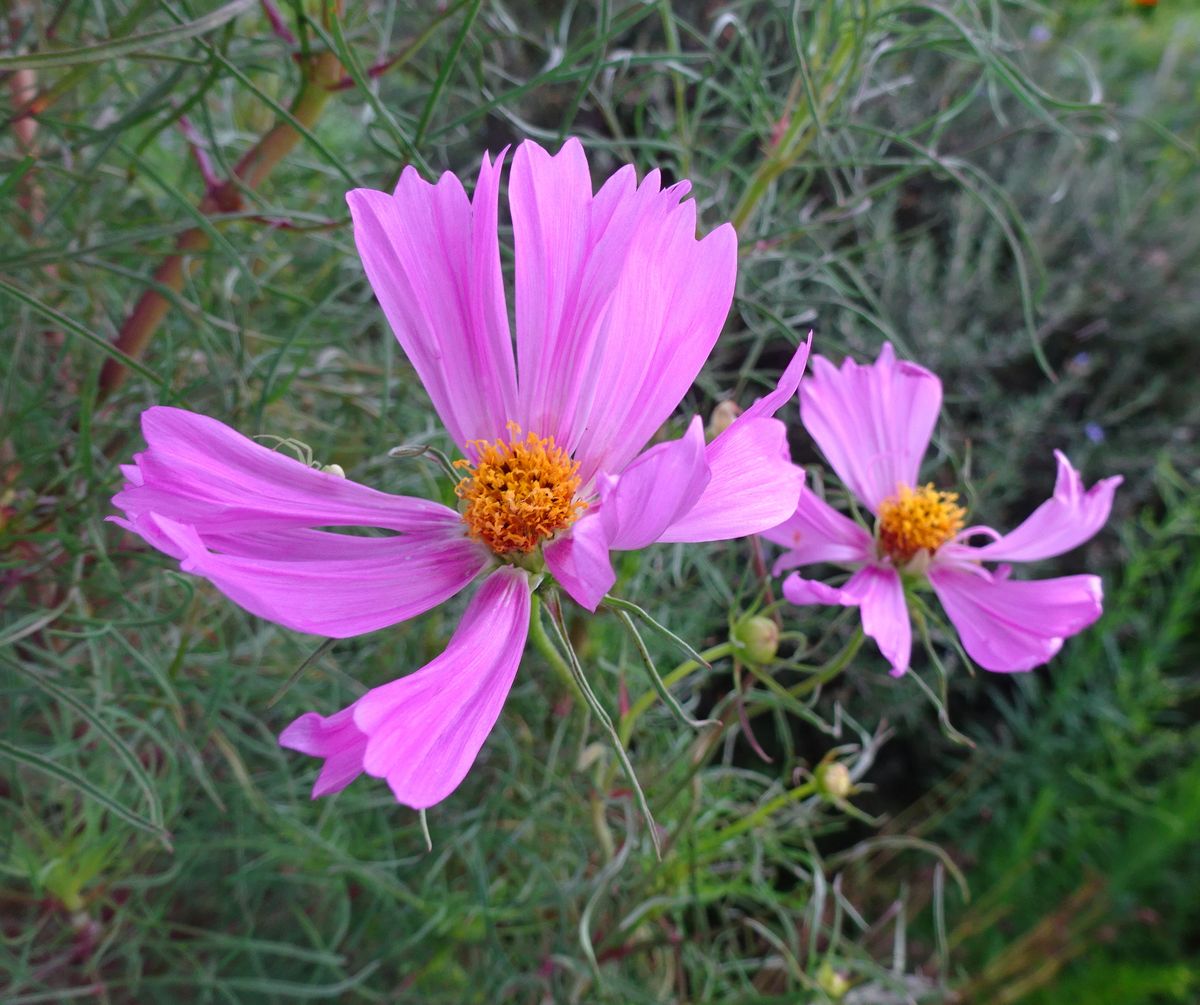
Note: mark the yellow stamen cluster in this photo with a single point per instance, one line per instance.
(519, 492)
(918, 519)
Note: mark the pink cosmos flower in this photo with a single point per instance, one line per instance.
(617, 307)
(873, 424)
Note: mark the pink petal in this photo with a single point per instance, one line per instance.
(654, 491)
(872, 423)
(244, 517)
(785, 390)
(336, 739)
(433, 260)
(1065, 521)
(198, 471)
(754, 484)
(816, 532)
(663, 320)
(1009, 625)
(632, 512)
(579, 562)
(319, 582)
(803, 592)
(618, 304)
(880, 594)
(425, 730)
(555, 231)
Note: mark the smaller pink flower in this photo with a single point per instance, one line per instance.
(873, 424)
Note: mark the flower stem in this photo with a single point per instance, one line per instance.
(823, 79)
(831, 669)
(715, 839)
(549, 651)
(640, 707)
(602, 716)
(707, 743)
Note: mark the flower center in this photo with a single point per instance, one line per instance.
(519, 491)
(918, 519)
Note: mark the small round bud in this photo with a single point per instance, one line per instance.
(832, 982)
(334, 469)
(833, 780)
(722, 418)
(757, 639)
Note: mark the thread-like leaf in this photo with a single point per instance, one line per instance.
(560, 630)
(656, 680)
(39, 762)
(132, 764)
(117, 47)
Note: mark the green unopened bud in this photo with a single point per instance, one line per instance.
(832, 982)
(334, 469)
(722, 418)
(833, 780)
(757, 639)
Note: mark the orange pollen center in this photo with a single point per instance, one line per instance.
(918, 519)
(519, 492)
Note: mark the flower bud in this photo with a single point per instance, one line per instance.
(833, 780)
(757, 639)
(722, 418)
(832, 982)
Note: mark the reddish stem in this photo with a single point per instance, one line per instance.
(224, 197)
(278, 25)
(196, 144)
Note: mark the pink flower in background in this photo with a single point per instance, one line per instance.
(617, 307)
(873, 424)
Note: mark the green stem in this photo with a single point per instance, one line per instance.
(746, 823)
(602, 716)
(642, 705)
(798, 135)
(707, 743)
(832, 668)
(541, 642)
(671, 31)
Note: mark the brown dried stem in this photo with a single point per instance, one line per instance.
(321, 73)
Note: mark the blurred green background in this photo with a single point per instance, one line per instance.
(1007, 191)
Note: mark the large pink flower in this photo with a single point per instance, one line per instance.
(873, 424)
(617, 307)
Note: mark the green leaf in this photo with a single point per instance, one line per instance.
(117, 47)
(124, 753)
(19, 171)
(656, 680)
(39, 762)
(312, 657)
(601, 713)
(627, 606)
(68, 324)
